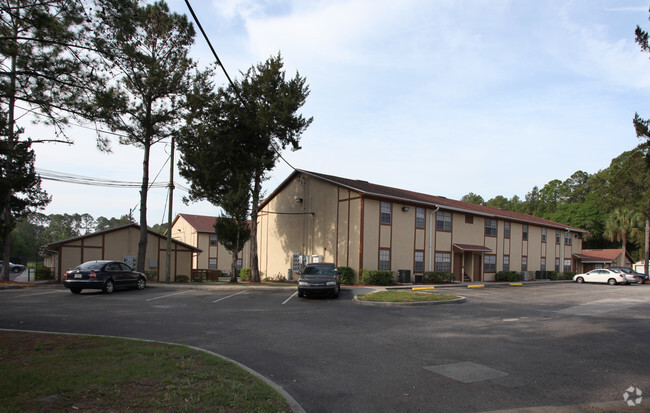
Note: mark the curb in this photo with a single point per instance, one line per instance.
(293, 404)
(413, 303)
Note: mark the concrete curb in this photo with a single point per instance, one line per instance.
(295, 406)
(414, 303)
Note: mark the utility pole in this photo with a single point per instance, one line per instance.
(169, 215)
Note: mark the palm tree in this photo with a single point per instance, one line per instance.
(624, 224)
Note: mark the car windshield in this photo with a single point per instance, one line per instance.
(91, 265)
(318, 270)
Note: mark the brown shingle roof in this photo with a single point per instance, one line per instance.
(394, 194)
(201, 223)
(604, 255)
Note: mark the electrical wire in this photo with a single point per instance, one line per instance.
(223, 68)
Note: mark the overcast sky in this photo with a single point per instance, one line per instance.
(444, 97)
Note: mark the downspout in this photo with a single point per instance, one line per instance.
(431, 237)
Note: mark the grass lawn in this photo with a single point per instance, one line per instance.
(51, 372)
(404, 297)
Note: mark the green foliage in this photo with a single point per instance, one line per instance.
(510, 276)
(347, 275)
(553, 275)
(245, 274)
(568, 275)
(41, 272)
(437, 277)
(385, 277)
(473, 198)
(182, 278)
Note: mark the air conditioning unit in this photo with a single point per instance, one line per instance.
(316, 259)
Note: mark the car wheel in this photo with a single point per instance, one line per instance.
(109, 286)
(580, 280)
(16, 269)
(337, 291)
(141, 283)
(642, 281)
(75, 290)
(611, 281)
(300, 294)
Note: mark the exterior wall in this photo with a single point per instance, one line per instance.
(116, 246)
(344, 227)
(185, 232)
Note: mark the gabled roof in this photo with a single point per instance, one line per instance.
(201, 223)
(600, 256)
(381, 192)
(57, 244)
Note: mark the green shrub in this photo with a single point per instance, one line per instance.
(567, 275)
(437, 277)
(377, 277)
(41, 272)
(151, 275)
(182, 278)
(347, 275)
(245, 274)
(510, 276)
(552, 275)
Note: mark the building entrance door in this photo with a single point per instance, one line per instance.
(477, 267)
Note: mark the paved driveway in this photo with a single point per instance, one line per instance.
(542, 345)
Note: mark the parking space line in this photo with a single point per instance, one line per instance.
(168, 295)
(231, 295)
(287, 300)
(30, 295)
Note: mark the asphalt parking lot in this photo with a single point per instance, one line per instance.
(545, 344)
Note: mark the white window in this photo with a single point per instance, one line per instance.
(384, 259)
(385, 214)
(212, 264)
(443, 261)
(443, 221)
(213, 239)
(490, 263)
(419, 217)
(419, 261)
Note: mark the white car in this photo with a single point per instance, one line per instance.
(611, 277)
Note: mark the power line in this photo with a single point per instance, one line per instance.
(223, 68)
(69, 178)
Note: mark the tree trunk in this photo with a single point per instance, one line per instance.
(142, 245)
(233, 264)
(257, 189)
(647, 243)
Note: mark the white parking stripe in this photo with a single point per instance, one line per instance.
(287, 300)
(49, 292)
(231, 295)
(168, 295)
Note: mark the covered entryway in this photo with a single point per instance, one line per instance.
(471, 259)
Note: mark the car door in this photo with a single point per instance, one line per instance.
(130, 278)
(116, 272)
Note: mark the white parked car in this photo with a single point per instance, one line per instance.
(611, 277)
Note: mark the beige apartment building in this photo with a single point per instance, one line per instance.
(317, 217)
(198, 231)
(120, 244)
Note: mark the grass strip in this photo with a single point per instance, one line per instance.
(404, 297)
(51, 372)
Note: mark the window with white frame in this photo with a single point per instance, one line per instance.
(557, 264)
(419, 261)
(212, 264)
(524, 234)
(443, 261)
(543, 264)
(567, 265)
(420, 217)
(490, 227)
(557, 237)
(524, 263)
(567, 238)
(490, 263)
(443, 221)
(506, 263)
(506, 229)
(213, 239)
(543, 236)
(385, 215)
(384, 259)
